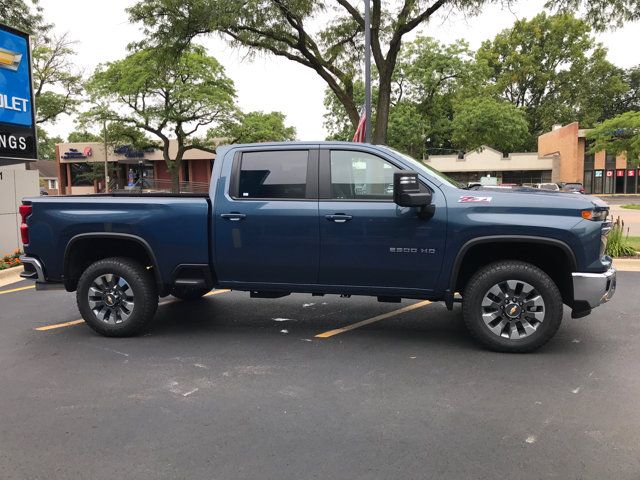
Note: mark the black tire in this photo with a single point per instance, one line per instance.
(188, 293)
(548, 308)
(140, 290)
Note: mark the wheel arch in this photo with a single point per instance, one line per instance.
(86, 248)
(553, 256)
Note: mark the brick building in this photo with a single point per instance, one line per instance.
(75, 162)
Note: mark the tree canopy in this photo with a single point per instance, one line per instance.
(165, 95)
(284, 28)
(618, 135)
(252, 127)
(552, 68)
(486, 121)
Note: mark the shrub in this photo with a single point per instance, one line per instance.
(11, 260)
(618, 244)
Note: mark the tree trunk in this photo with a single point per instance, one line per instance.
(382, 109)
(175, 179)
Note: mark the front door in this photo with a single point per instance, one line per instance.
(365, 238)
(266, 224)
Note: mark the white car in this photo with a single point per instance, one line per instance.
(547, 186)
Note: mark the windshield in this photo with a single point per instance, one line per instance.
(422, 166)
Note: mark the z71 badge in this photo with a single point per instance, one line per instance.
(473, 199)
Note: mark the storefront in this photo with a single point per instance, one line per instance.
(620, 181)
(81, 168)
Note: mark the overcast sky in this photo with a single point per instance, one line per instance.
(267, 83)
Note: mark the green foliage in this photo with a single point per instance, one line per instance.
(332, 46)
(252, 127)
(552, 68)
(618, 244)
(618, 135)
(486, 121)
(11, 260)
(631, 206)
(47, 144)
(23, 15)
(601, 14)
(57, 84)
(166, 93)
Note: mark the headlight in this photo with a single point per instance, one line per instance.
(595, 215)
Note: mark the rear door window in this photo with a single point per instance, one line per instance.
(276, 174)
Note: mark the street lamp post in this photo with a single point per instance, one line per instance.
(367, 70)
(106, 160)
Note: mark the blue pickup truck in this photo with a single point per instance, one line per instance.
(328, 218)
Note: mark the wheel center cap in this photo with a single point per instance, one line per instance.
(512, 310)
(110, 300)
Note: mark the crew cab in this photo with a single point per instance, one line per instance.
(328, 218)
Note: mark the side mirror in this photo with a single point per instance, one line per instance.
(406, 190)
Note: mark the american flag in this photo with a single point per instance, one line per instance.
(359, 136)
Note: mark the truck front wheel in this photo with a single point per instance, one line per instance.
(512, 306)
(117, 297)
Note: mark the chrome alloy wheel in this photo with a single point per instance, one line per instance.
(513, 309)
(111, 298)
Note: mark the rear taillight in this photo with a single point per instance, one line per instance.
(25, 211)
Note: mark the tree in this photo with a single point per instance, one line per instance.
(253, 127)
(486, 121)
(618, 135)
(56, 82)
(429, 78)
(47, 144)
(285, 28)
(552, 68)
(166, 95)
(23, 15)
(629, 100)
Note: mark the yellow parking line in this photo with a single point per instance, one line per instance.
(353, 326)
(78, 322)
(216, 292)
(17, 289)
(59, 325)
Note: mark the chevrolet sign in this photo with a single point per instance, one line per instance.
(17, 112)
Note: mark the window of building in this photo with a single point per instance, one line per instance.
(610, 162)
(81, 174)
(598, 181)
(588, 181)
(53, 184)
(273, 174)
(631, 181)
(360, 176)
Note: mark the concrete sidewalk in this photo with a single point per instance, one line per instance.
(10, 275)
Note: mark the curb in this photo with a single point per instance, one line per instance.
(10, 275)
(627, 264)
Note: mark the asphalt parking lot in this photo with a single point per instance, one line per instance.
(237, 388)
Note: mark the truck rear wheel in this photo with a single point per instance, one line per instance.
(512, 306)
(117, 297)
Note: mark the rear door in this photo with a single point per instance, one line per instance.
(266, 221)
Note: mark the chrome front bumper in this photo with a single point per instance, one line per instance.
(594, 288)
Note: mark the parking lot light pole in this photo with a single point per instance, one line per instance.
(106, 160)
(367, 71)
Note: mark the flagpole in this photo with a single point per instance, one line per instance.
(367, 70)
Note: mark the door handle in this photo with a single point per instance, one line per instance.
(233, 217)
(338, 217)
